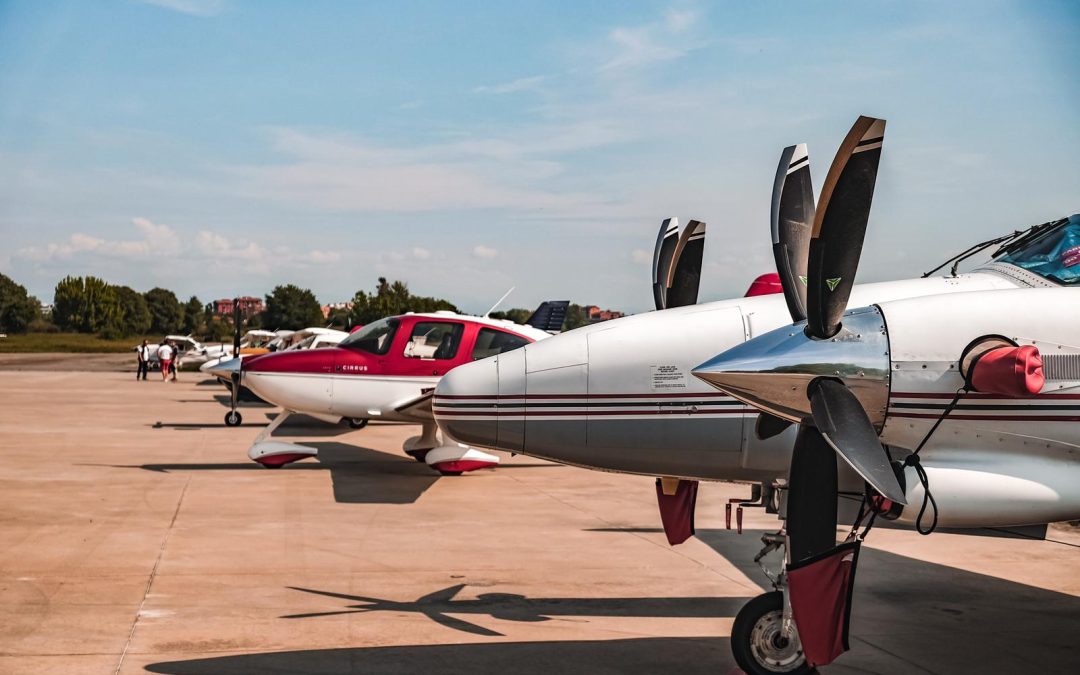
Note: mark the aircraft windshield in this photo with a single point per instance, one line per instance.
(374, 337)
(1055, 255)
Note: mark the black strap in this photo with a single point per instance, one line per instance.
(912, 460)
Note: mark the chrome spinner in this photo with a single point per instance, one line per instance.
(772, 371)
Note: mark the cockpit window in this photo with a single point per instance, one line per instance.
(434, 340)
(374, 337)
(491, 342)
(1055, 255)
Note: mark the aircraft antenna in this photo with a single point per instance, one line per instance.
(499, 302)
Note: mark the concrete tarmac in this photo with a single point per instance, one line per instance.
(135, 536)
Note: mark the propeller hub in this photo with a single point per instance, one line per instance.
(772, 372)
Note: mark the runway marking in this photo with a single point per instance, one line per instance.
(153, 574)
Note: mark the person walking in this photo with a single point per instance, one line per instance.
(175, 361)
(143, 351)
(165, 357)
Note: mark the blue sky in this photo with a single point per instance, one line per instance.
(220, 147)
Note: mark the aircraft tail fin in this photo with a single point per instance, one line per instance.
(550, 315)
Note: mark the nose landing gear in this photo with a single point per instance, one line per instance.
(764, 639)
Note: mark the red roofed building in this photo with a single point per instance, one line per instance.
(249, 306)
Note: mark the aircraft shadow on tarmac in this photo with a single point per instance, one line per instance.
(909, 616)
(358, 475)
(642, 655)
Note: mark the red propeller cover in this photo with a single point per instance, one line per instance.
(1009, 371)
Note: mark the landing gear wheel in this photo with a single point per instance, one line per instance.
(451, 473)
(357, 422)
(233, 419)
(758, 642)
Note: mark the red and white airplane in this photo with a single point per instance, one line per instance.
(387, 371)
(953, 400)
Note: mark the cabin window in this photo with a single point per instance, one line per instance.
(491, 342)
(434, 340)
(374, 337)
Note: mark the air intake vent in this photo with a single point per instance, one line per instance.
(1061, 366)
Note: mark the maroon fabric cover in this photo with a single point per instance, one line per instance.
(1009, 371)
(677, 510)
(820, 592)
(766, 284)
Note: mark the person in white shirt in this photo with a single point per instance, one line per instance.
(165, 356)
(143, 352)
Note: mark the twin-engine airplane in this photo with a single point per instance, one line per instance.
(386, 370)
(952, 400)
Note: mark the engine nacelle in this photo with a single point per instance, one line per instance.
(991, 489)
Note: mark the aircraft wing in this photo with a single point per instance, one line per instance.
(418, 407)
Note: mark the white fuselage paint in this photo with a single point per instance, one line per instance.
(349, 396)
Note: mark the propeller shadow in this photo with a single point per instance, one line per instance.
(513, 607)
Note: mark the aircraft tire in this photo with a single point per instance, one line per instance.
(756, 644)
(233, 418)
(357, 422)
(450, 473)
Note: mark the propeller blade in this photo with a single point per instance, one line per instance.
(840, 225)
(811, 502)
(661, 262)
(768, 425)
(792, 219)
(236, 327)
(843, 423)
(684, 277)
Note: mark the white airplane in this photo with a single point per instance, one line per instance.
(971, 381)
(255, 341)
(190, 351)
(385, 371)
(315, 337)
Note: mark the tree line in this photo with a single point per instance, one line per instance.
(92, 305)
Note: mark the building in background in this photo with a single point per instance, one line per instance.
(249, 306)
(333, 306)
(596, 315)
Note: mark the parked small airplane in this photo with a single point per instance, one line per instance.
(253, 342)
(190, 350)
(972, 382)
(385, 371)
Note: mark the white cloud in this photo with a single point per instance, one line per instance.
(513, 86)
(641, 257)
(421, 253)
(485, 252)
(190, 7)
(158, 240)
(342, 173)
(161, 245)
(664, 40)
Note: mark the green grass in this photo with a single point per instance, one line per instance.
(80, 343)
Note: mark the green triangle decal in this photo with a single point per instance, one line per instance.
(833, 283)
(802, 279)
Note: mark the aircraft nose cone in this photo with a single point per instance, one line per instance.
(225, 368)
(465, 403)
(772, 371)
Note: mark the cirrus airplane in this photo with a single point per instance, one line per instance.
(386, 371)
(952, 400)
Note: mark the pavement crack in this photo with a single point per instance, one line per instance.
(153, 575)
